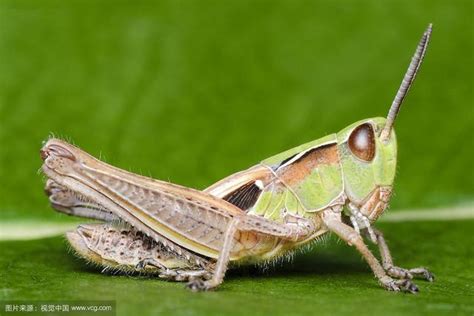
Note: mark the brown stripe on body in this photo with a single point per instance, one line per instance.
(303, 166)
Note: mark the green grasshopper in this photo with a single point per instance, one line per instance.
(340, 183)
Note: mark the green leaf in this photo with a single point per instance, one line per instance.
(330, 279)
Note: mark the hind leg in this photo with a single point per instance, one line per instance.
(65, 201)
(119, 249)
(125, 249)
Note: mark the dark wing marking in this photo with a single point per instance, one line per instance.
(245, 196)
(284, 162)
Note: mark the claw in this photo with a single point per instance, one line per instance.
(392, 286)
(408, 286)
(404, 285)
(197, 285)
(422, 273)
(427, 275)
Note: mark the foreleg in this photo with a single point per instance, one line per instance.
(394, 271)
(332, 220)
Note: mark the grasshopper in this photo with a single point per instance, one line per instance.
(340, 183)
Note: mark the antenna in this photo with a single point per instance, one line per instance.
(410, 75)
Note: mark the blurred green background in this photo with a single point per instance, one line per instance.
(191, 91)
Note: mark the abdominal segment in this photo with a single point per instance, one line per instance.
(125, 249)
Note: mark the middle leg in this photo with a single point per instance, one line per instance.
(297, 230)
(394, 271)
(222, 262)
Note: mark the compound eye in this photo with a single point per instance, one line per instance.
(362, 142)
